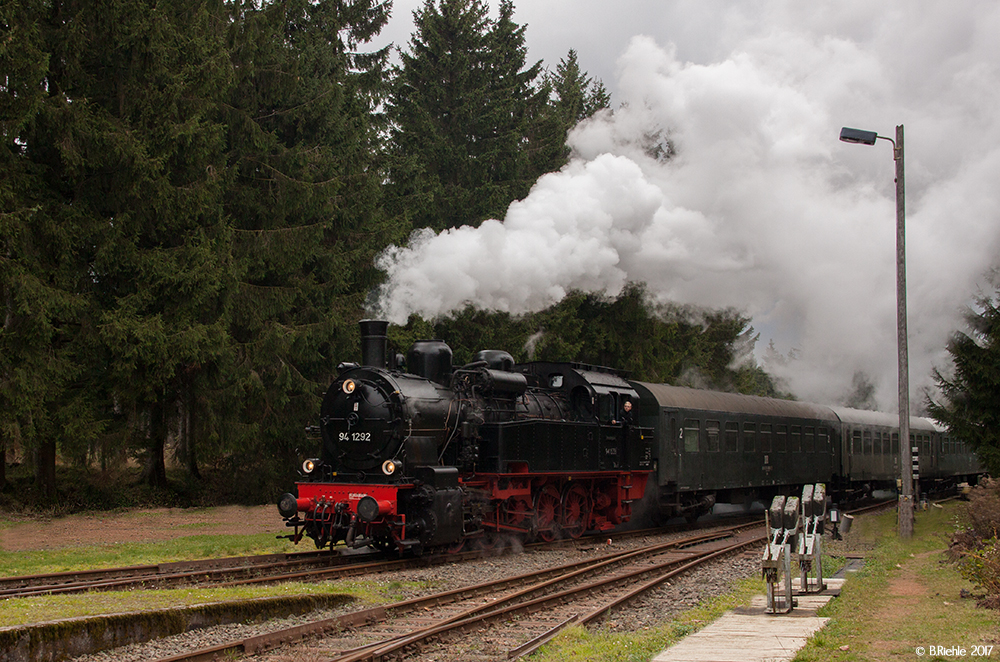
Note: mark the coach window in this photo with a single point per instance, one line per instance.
(877, 443)
(765, 437)
(868, 442)
(692, 436)
(809, 440)
(732, 436)
(780, 438)
(796, 439)
(712, 430)
(749, 437)
(895, 443)
(856, 442)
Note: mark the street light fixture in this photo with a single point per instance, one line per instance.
(858, 136)
(906, 465)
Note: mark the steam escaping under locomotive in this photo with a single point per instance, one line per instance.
(436, 456)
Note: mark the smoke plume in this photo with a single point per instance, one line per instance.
(723, 183)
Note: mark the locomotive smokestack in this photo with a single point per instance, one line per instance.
(373, 342)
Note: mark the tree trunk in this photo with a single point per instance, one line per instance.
(156, 469)
(45, 474)
(189, 430)
(3, 460)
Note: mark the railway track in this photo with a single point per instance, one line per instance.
(320, 565)
(234, 570)
(541, 603)
(310, 566)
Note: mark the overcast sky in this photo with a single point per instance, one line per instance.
(762, 208)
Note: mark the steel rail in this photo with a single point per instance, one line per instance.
(288, 635)
(476, 617)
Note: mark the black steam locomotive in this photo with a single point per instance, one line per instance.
(438, 456)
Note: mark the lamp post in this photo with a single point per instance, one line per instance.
(906, 468)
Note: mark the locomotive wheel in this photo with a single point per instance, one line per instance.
(457, 547)
(575, 510)
(516, 512)
(490, 540)
(548, 507)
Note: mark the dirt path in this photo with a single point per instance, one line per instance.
(905, 593)
(138, 526)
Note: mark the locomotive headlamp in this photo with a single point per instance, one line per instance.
(388, 467)
(349, 386)
(308, 466)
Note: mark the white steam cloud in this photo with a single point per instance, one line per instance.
(761, 207)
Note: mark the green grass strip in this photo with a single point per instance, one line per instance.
(187, 548)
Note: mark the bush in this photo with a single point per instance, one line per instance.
(982, 567)
(984, 509)
(977, 546)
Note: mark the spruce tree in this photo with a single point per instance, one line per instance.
(131, 148)
(513, 107)
(572, 97)
(38, 311)
(303, 148)
(46, 239)
(577, 95)
(968, 403)
(461, 109)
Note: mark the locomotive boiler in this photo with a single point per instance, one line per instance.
(439, 456)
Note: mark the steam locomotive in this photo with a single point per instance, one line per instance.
(441, 457)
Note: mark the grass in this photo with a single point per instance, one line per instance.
(868, 622)
(907, 596)
(126, 554)
(578, 643)
(22, 611)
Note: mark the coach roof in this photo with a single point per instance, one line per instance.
(679, 397)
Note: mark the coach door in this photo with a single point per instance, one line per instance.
(691, 456)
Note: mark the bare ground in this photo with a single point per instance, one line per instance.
(150, 525)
